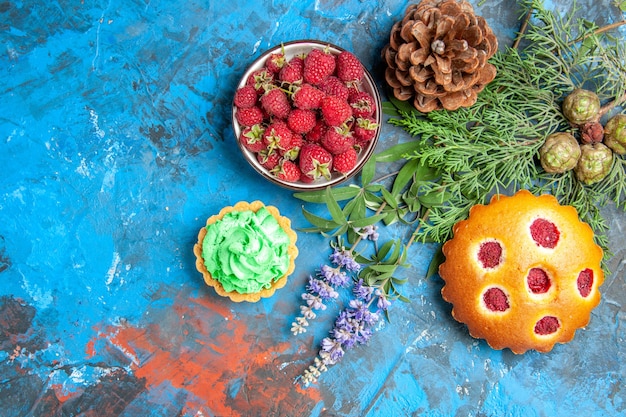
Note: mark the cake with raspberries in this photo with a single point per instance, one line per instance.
(246, 251)
(522, 272)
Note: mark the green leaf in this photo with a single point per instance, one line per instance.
(370, 280)
(397, 152)
(384, 249)
(374, 188)
(390, 218)
(311, 196)
(434, 198)
(399, 281)
(414, 205)
(403, 299)
(389, 109)
(319, 196)
(372, 199)
(367, 221)
(389, 198)
(404, 176)
(425, 173)
(349, 210)
(368, 171)
(333, 208)
(314, 230)
(375, 277)
(433, 267)
(383, 268)
(343, 229)
(393, 258)
(320, 222)
(345, 193)
(360, 208)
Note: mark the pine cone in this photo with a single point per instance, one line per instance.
(437, 55)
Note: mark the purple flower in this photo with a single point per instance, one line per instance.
(358, 309)
(362, 313)
(334, 276)
(363, 292)
(383, 303)
(343, 319)
(343, 258)
(314, 301)
(344, 336)
(364, 336)
(332, 351)
(325, 291)
(369, 232)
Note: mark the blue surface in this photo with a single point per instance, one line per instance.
(116, 145)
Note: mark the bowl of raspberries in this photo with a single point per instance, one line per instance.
(307, 115)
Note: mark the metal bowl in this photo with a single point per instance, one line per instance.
(292, 49)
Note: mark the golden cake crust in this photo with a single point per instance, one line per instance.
(507, 222)
(292, 250)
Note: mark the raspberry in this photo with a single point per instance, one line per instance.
(245, 97)
(275, 62)
(306, 179)
(318, 65)
(268, 158)
(333, 86)
(250, 116)
(276, 103)
(301, 121)
(585, 282)
(362, 104)
(287, 171)
(547, 325)
(277, 135)
(496, 300)
(315, 161)
(252, 138)
(346, 161)
(316, 134)
(365, 129)
(538, 281)
(490, 254)
(261, 80)
(349, 68)
(544, 233)
(337, 140)
(292, 71)
(293, 151)
(335, 110)
(307, 97)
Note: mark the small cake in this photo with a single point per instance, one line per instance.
(522, 272)
(247, 251)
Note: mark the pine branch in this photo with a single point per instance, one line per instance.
(493, 146)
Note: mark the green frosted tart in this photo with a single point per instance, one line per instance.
(246, 251)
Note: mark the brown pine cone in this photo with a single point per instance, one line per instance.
(437, 55)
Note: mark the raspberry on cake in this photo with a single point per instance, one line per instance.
(522, 272)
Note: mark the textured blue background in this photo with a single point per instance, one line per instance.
(116, 145)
